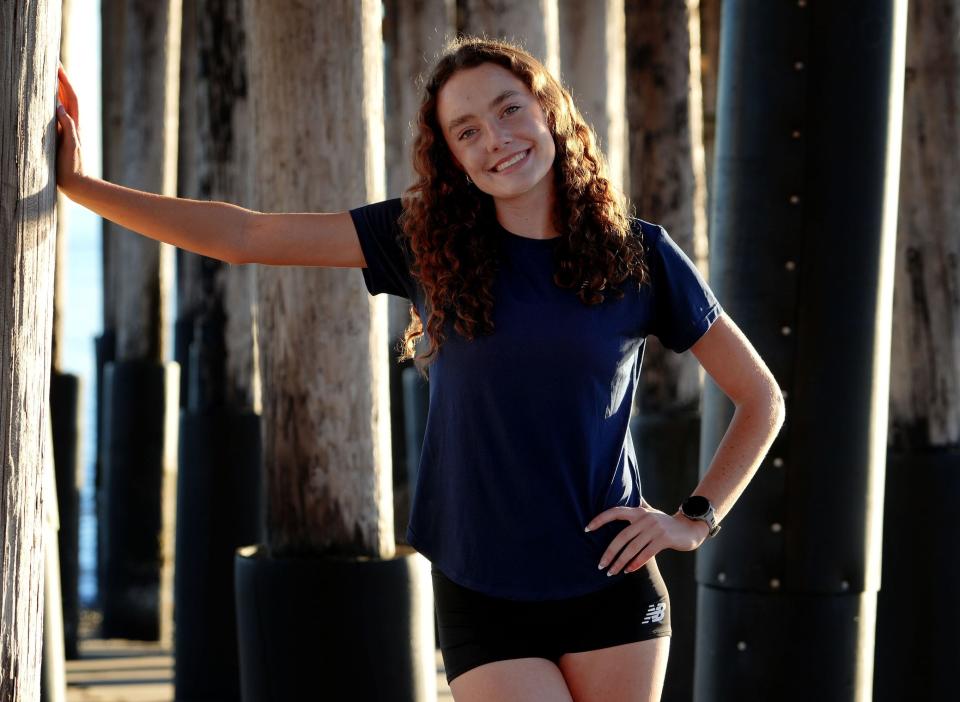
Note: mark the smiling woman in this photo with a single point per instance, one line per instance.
(499, 139)
(536, 292)
(503, 144)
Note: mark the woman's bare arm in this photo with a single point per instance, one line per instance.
(302, 239)
(737, 369)
(215, 229)
(223, 231)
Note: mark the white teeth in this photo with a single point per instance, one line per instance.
(516, 159)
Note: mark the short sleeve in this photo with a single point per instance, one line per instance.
(684, 306)
(384, 250)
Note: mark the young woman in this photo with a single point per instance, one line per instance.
(537, 291)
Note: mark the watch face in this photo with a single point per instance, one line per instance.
(695, 506)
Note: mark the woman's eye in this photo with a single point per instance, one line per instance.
(466, 133)
(512, 107)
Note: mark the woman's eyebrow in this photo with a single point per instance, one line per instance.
(454, 123)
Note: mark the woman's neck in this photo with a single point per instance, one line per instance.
(530, 214)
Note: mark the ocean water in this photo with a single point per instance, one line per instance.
(82, 311)
(82, 323)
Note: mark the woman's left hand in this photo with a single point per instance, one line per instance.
(649, 532)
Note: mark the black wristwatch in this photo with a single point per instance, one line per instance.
(699, 507)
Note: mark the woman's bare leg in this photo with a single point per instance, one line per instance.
(513, 680)
(631, 672)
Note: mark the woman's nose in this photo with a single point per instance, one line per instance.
(497, 138)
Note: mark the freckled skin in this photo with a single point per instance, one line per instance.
(494, 133)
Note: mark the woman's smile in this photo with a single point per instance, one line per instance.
(511, 163)
(494, 126)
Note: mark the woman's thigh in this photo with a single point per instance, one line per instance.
(512, 680)
(632, 672)
(519, 644)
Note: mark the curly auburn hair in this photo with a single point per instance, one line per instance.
(596, 251)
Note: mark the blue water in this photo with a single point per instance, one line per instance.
(83, 310)
(82, 323)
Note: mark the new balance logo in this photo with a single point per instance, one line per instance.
(655, 613)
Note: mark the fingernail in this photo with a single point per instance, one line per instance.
(601, 566)
(586, 528)
(609, 573)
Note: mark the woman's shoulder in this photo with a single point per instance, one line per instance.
(379, 219)
(649, 233)
(392, 206)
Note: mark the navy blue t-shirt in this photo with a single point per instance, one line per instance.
(527, 435)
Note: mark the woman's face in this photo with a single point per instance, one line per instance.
(497, 131)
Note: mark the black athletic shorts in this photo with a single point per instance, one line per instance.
(476, 628)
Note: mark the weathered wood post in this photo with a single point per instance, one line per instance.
(61, 517)
(532, 23)
(111, 101)
(329, 597)
(668, 186)
(29, 46)
(709, 71)
(66, 391)
(917, 615)
(593, 67)
(413, 34)
(219, 473)
(53, 676)
(140, 389)
(802, 252)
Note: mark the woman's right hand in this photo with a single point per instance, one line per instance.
(69, 163)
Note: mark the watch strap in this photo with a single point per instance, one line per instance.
(709, 516)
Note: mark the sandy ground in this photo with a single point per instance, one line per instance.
(115, 670)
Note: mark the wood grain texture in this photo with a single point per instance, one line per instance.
(189, 291)
(214, 164)
(316, 90)
(709, 72)
(60, 269)
(593, 68)
(142, 273)
(112, 14)
(667, 176)
(534, 24)
(29, 46)
(925, 362)
(414, 32)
